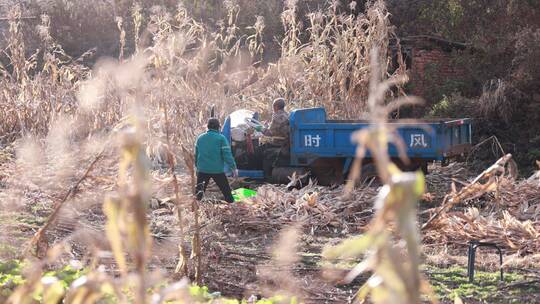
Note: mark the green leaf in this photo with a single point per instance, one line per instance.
(53, 293)
(10, 267)
(112, 229)
(352, 247)
(199, 293)
(420, 185)
(363, 292)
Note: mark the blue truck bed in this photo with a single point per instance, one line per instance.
(314, 137)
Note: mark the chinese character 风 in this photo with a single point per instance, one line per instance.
(418, 140)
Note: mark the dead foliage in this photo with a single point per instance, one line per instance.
(58, 113)
(487, 181)
(506, 231)
(67, 113)
(498, 209)
(316, 207)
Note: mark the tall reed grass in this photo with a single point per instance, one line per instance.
(150, 105)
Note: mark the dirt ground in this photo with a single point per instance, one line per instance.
(238, 243)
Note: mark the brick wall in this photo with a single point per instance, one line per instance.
(428, 68)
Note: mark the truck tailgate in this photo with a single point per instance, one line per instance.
(457, 136)
(313, 136)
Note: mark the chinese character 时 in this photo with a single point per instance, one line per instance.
(307, 140)
(312, 141)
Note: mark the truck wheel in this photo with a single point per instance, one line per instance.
(413, 166)
(418, 166)
(424, 168)
(369, 173)
(328, 171)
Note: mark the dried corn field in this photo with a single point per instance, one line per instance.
(97, 169)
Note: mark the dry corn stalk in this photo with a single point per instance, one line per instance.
(40, 238)
(185, 55)
(487, 181)
(512, 223)
(182, 266)
(127, 227)
(278, 278)
(516, 236)
(395, 269)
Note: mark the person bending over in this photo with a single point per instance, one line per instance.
(212, 152)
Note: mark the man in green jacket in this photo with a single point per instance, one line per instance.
(212, 152)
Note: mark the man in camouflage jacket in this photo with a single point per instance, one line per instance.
(279, 126)
(279, 131)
